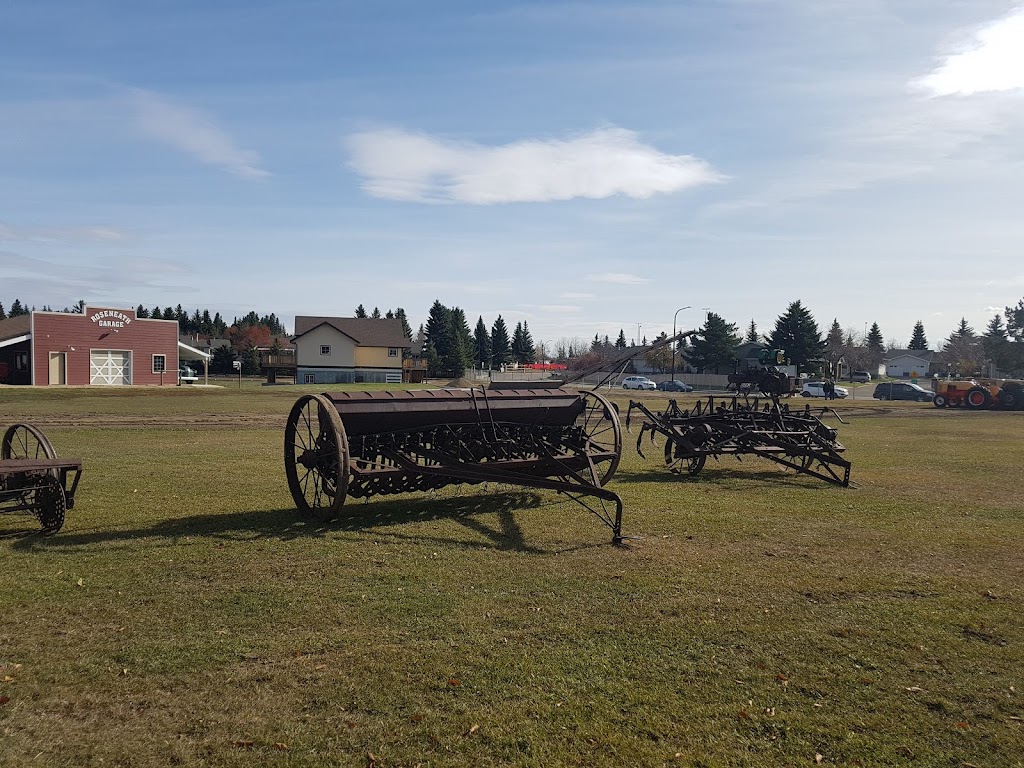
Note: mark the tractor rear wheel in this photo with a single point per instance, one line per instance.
(940, 401)
(978, 398)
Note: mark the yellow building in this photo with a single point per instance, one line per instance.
(345, 350)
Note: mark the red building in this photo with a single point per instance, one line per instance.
(102, 346)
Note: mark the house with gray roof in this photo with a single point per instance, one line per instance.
(908, 363)
(345, 350)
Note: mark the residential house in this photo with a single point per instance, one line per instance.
(344, 350)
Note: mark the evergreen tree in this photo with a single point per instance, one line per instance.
(206, 325)
(995, 342)
(181, 316)
(168, 313)
(375, 314)
(406, 329)
(501, 345)
(250, 362)
(446, 358)
(390, 315)
(528, 355)
(963, 352)
(3, 315)
(156, 313)
(462, 354)
(715, 346)
(1015, 321)
(360, 311)
(79, 308)
(875, 341)
(517, 343)
(222, 360)
(918, 340)
(620, 342)
(595, 345)
(797, 333)
(141, 312)
(482, 344)
(835, 345)
(17, 309)
(218, 326)
(752, 336)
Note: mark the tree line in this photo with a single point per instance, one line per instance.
(450, 347)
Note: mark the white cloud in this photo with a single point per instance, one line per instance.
(994, 61)
(575, 295)
(559, 308)
(617, 278)
(194, 133)
(398, 165)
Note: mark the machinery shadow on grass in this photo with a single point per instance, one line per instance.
(723, 476)
(490, 516)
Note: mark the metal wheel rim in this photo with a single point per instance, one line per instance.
(23, 441)
(600, 424)
(316, 458)
(50, 505)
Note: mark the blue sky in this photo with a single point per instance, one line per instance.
(583, 166)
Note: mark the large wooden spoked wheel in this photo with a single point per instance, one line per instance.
(599, 422)
(23, 441)
(316, 458)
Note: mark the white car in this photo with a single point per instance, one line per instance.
(638, 382)
(817, 389)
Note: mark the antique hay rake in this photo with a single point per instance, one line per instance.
(33, 480)
(364, 444)
(737, 426)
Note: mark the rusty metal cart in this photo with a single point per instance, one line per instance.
(33, 481)
(363, 444)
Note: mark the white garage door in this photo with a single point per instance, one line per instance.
(108, 367)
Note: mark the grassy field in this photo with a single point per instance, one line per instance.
(183, 616)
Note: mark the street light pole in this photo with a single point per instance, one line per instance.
(674, 342)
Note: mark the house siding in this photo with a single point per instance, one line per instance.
(343, 349)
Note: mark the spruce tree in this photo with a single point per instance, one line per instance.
(440, 337)
(361, 312)
(620, 342)
(527, 352)
(995, 342)
(3, 315)
(835, 345)
(406, 329)
(376, 313)
(482, 344)
(501, 345)
(918, 340)
(715, 345)
(752, 336)
(462, 354)
(797, 333)
(517, 343)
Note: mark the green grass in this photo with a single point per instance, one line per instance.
(184, 617)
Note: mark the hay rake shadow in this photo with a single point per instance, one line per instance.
(796, 438)
(364, 444)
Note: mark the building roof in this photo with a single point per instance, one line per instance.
(921, 354)
(15, 326)
(364, 331)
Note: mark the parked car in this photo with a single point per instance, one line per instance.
(638, 382)
(817, 389)
(675, 386)
(898, 390)
(861, 376)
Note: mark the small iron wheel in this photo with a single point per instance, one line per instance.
(23, 441)
(599, 422)
(49, 505)
(316, 458)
